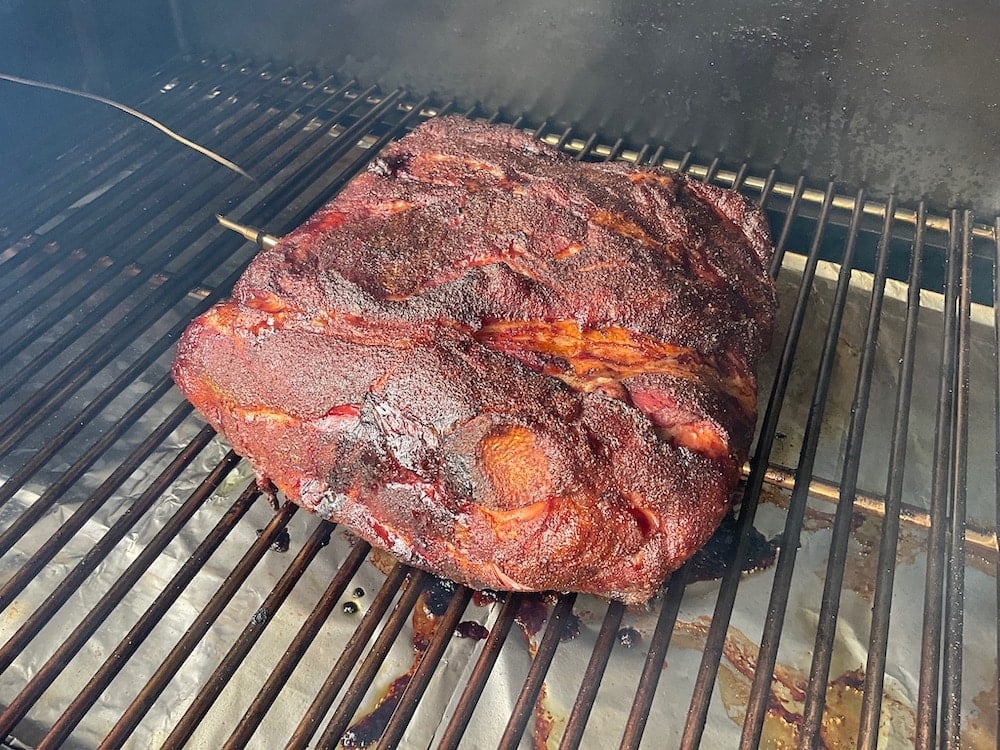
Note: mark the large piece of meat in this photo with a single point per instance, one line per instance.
(508, 368)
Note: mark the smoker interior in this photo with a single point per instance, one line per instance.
(146, 598)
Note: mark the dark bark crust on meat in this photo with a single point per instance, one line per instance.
(514, 370)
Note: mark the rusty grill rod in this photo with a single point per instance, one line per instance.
(930, 641)
(209, 613)
(871, 704)
(362, 681)
(469, 699)
(139, 632)
(767, 656)
(86, 226)
(251, 633)
(524, 706)
(90, 226)
(951, 688)
(297, 648)
(996, 351)
(75, 579)
(429, 661)
(649, 678)
(350, 654)
(826, 628)
(715, 641)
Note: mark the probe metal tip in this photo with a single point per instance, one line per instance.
(257, 236)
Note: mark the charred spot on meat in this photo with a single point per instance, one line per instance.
(513, 370)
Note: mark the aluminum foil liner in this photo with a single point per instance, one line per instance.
(605, 727)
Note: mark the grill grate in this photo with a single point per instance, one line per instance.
(138, 606)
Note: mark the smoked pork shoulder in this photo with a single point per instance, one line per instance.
(506, 367)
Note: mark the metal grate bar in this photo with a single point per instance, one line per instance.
(563, 138)
(86, 227)
(251, 633)
(930, 643)
(351, 653)
(871, 704)
(140, 631)
(151, 181)
(555, 627)
(635, 725)
(429, 661)
(576, 723)
(358, 688)
(469, 699)
(209, 613)
(74, 146)
(58, 389)
(951, 720)
(996, 351)
(786, 228)
(297, 648)
(715, 641)
(826, 629)
(90, 227)
(774, 623)
(710, 173)
(43, 504)
(72, 582)
(130, 151)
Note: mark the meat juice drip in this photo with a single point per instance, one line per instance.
(531, 615)
(473, 630)
(367, 731)
(629, 637)
(282, 540)
(431, 604)
(544, 721)
(485, 597)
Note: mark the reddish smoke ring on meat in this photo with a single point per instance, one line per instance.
(508, 368)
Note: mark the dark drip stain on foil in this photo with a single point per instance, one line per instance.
(472, 630)
(431, 604)
(782, 723)
(709, 563)
(366, 732)
(281, 541)
(629, 637)
(532, 614)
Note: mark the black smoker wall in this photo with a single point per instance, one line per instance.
(896, 94)
(100, 46)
